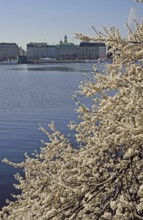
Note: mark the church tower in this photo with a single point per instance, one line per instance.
(65, 39)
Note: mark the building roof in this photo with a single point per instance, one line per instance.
(66, 44)
(8, 44)
(91, 44)
(37, 44)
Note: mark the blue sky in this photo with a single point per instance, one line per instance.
(24, 21)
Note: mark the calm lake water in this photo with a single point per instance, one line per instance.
(29, 95)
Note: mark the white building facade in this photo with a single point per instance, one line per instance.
(51, 51)
(102, 50)
(36, 51)
(91, 51)
(8, 51)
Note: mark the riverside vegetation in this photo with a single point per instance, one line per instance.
(102, 178)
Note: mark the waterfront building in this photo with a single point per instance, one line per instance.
(36, 51)
(91, 51)
(88, 51)
(51, 51)
(8, 51)
(66, 51)
(102, 50)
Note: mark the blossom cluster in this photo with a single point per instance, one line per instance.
(102, 176)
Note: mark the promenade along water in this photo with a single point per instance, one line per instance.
(29, 95)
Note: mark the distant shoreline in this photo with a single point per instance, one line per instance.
(100, 60)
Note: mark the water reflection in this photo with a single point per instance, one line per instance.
(66, 67)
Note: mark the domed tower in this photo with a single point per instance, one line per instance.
(65, 39)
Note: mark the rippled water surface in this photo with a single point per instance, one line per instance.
(29, 95)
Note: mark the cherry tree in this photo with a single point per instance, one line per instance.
(102, 176)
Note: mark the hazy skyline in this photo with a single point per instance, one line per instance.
(49, 20)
